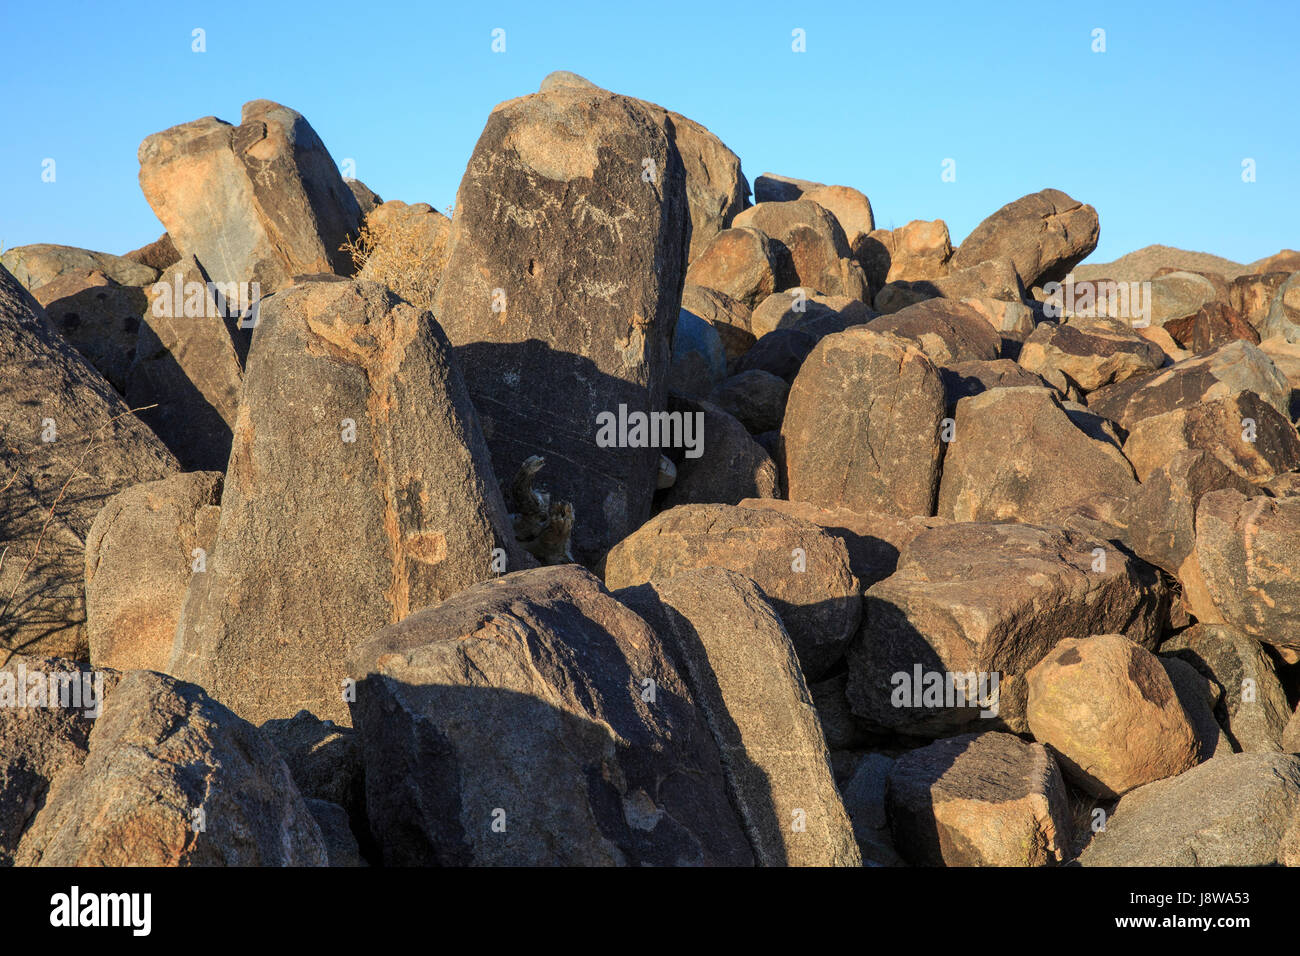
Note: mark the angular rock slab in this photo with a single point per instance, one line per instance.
(562, 286)
(1234, 810)
(1253, 707)
(1108, 710)
(259, 202)
(743, 673)
(1017, 455)
(68, 444)
(172, 778)
(988, 599)
(1045, 234)
(1250, 565)
(141, 552)
(861, 427)
(801, 569)
(535, 720)
(978, 800)
(399, 509)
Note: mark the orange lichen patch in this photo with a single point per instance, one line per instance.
(428, 547)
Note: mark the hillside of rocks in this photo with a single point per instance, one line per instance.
(638, 513)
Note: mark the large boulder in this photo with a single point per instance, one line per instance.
(36, 265)
(70, 443)
(802, 569)
(258, 202)
(742, 671)
(740, 263)
(141, 551)
(1249, 564)
(1044, 234)
(535, 720)
(1088, 353)
(994, 279)
(699, 359)
(1214, 324)
(1234, 810)
(731, 465)
(41, 738)
(401, 497)
(1253, 705)
(1017, 455)
(1226, 371)
(756, 398)
(172, 778)
(978, 800)
(1249, 436)
(948, 332)
(99, 317)
(1160, 520)
(986, 602)
(861, 427)
(562, 286)
(1108, 710)
(729, 318)
(916, 252)
(187, 370)
(809, 245)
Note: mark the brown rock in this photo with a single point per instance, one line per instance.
(1044, 234)
(809, 245)
(140, 553)
(861, 428)
(1107, 709)
(157, 255)
(37, 265)
(978, 800)
(738, 262)
(729, 318)
(1214, 324)
(947, 331)
(916, 252)
(731, 466)
(756, 398)
(803, 570)
(1088, 353)
(99, 317)
(758, 708)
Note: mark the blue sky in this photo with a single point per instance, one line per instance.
(1152, 132)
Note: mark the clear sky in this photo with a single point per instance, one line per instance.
(1153, 131)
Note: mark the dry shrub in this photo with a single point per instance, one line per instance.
(405, 248)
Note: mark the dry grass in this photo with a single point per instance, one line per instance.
(405, 252)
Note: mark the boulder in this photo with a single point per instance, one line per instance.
(1108, 711)
(259, 202)
(731, 466)
(991, 279)
(729, 318)
(1283, 318)
(699, 360)
(405, 248)
(861, 427)
(187, 370)
(562, 286)
(157, 255)
(1246, 554)
(367, 199)
(1044, 234)
(1253, 705)
(758, 708)
(851, 209)
(779, 353)
(1199, 696)
(1212, 325)
(1017, 455)
(978, 800)
(1246, 434)
(1160, 520)
(964, 379)
(948, 332)
(985, 603)
(916, 252)
(336, 833)
(738, 262)
(70, 443)
(39, 737)
(36, 265)
(172, 778)
(1088, 353)
(1226, 371)
(401, 497)
(756, 398)
(535, 720)
(141, 551)
(1286, 358)
(873, 540)
(864, 799)
(810, 247)
(798, 305)
(1234, 810)
(803, 570)
(99, 317)
(770, 187)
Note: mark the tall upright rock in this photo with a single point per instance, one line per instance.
(561, 291)
(359, 490)
(258, 202)
(67, 443)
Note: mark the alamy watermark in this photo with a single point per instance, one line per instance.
(651, 430)
(1106, 299)
(196, 300)
(947, 689)
(72, 690)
